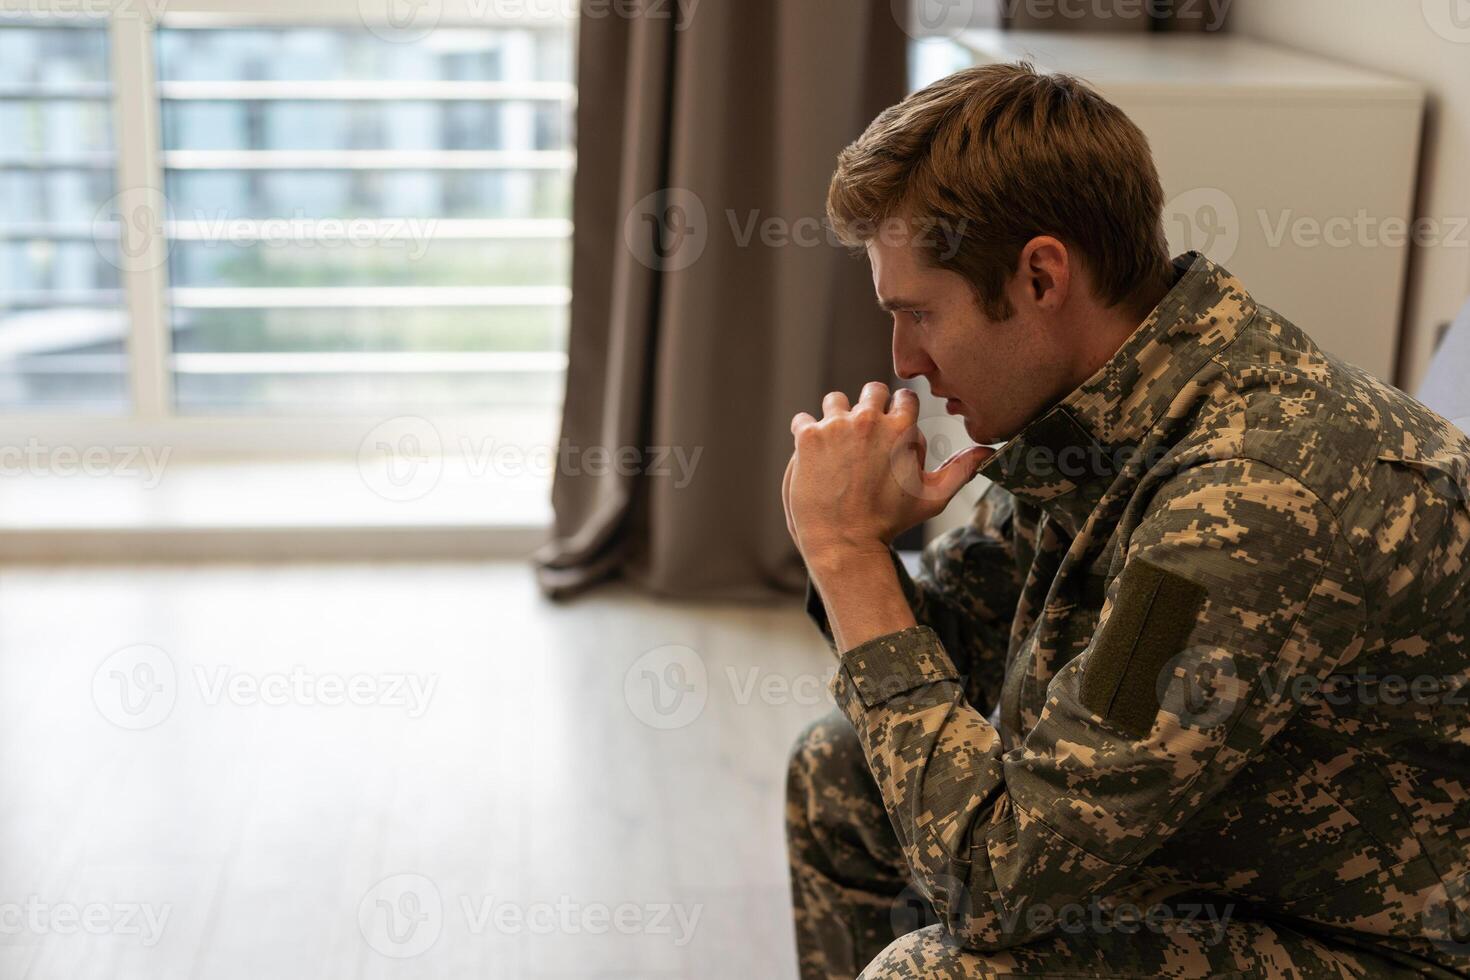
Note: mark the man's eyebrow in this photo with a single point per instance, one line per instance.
(898, 303)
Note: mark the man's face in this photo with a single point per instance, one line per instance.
(997, 375)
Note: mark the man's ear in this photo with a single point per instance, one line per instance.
(1045, 270)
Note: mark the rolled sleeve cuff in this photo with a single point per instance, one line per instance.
(889, 665)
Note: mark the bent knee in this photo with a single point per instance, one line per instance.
(827, 751)
(927, 952)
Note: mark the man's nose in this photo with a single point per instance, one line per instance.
(909, 360)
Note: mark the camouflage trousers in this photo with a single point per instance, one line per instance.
(858, 913)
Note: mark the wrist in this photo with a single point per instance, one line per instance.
(844, 558)
(862, 596)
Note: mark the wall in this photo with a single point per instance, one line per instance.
(1426, 41)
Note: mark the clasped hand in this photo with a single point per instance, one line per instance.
(856, 478)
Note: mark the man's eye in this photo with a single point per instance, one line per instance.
(918, 316)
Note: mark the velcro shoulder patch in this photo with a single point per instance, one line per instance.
(1148, 625)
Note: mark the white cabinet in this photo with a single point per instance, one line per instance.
(1295, 173)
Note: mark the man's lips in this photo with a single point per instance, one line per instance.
(952, 405)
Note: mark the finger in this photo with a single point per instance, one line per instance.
(834, 403)
(958, 470)
(874, 396)
(905, 405)
(913, 441)
(786, 498)
(800, 421)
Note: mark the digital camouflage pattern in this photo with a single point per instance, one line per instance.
(1215, 608)
(848, 869)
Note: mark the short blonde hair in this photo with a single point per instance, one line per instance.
(999, 154)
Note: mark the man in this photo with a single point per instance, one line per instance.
(1185, 696)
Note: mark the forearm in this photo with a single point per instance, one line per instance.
(862, 595)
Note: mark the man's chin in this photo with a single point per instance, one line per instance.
(978, 432)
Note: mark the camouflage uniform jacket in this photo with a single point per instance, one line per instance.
(1215, 606)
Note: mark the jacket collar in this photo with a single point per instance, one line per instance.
(1067, 457)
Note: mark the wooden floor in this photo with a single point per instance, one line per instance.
(391, 771)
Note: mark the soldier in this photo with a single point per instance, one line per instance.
(1185, 696)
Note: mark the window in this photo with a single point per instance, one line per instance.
(63, 326)
(349, 224)
(363, 222)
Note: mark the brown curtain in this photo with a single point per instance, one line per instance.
(1113, 15)
(692, 346)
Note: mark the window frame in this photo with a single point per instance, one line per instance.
(152, 419)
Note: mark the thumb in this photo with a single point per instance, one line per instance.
(959, 469)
